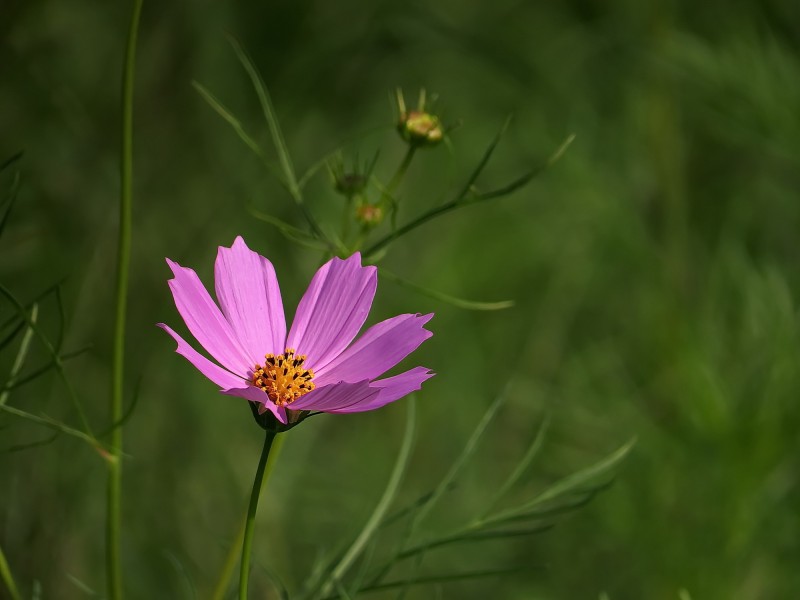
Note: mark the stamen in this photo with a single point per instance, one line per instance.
(283, 377)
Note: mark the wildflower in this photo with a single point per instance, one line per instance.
(313, 368)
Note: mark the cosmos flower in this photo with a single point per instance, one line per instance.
(317, 366)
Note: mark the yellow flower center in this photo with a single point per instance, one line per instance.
(283, 377)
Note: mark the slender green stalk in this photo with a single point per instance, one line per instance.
(8, 579)
(247, 541)
(220, 590)
(114, 490)
(388, 193)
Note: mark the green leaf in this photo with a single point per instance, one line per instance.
(277, 135)
(447, 298)
(290, 232)
(223, 112)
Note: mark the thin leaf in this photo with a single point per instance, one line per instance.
(461, 461)
(525, 179)
(444, 578)
(472, 537)
(22, 354)
(521, 468)
(36, 444)
(223, 112)
(55, 357)
(379, 512)
(289, 231)
(52, 423)
(583, 476)
(43, 369)
(457, 302)
(134, 401)
(467, 195)
(277, 135)
(8, 579)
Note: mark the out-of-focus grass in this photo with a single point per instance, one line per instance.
(653, 269)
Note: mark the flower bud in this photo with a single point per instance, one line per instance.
(418, 127)
(350, 184)
(369, 215)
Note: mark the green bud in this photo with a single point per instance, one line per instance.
(418, 127)
(369, 215)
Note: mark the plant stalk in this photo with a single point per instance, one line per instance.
(247, 543)
(114, 490)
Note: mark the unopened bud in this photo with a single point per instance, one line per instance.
(350, 184)
(420, 128)
(369, 215)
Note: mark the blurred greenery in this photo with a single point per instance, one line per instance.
(654, 273)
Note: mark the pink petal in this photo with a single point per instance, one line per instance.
(332, 310)
(253, 394)
(380, 348)
(391, 389)
(336, 397)
(250, 298)
(224, 379)
(206, 322)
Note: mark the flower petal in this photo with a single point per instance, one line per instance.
(224, 379)
(248, 293)
(391, 389)
(380, 348)
(205, 321)
(336, 397)
(256, 395)
(332, 310)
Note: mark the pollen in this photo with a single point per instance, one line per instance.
(283, 377)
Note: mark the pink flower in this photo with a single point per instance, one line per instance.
(315, 367)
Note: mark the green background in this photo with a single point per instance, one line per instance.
(654, 271)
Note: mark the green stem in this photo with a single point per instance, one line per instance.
(388, 193)
(114, 490)
(247, 543)
(5, 573)
(221, 589)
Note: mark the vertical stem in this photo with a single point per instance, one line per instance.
(221, 588)
(244, 571)
(395, 181)
(114, 490)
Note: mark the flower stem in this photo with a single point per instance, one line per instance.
(221, 589)
(395, 181)
(114, 491)
(247, 543)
